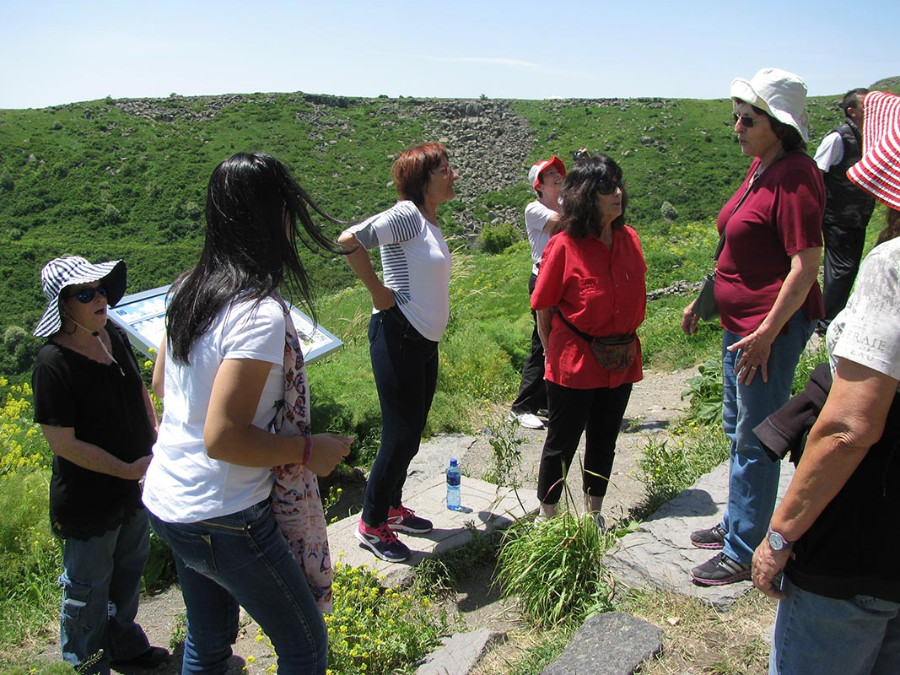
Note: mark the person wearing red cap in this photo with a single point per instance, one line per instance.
(541, 222)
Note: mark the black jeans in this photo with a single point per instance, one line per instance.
(405, 366)
(532, 390)
(843, 251)
(596, 412)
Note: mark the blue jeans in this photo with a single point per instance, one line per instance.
(405, 365)
(242, 560)
(753, 477)
(828, 636)
(101, 584)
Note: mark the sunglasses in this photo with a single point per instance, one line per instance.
(746, 120)
(607, 186)
(85, 295)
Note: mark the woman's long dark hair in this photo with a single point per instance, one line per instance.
(249, 248)
(580, 216)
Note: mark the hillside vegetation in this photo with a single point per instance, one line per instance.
(126, 178)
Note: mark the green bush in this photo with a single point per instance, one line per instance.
(498, 238)
(378, 630)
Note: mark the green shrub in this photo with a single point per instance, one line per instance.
(498, 238)
(704, 393)
(672, 465)
(378, 630)
(554, 569)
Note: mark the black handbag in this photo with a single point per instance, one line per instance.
(705, 305)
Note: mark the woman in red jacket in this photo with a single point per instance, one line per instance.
(590, 299)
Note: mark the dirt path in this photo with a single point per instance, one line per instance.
(655, 403)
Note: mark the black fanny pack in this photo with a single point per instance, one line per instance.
(613, 352)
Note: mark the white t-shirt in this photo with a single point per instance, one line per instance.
(867, 331)
(830, 151)
(183, 484)
(415, 262)
(536, 217)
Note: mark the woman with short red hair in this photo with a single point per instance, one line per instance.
(411, 307)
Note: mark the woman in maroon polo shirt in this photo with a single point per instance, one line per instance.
(768, 301)
(593, 276)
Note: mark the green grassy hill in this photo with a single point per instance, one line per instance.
(126, 178)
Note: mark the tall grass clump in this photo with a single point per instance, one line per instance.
(554, 569)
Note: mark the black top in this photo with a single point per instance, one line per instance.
(105, 406)
(852, 548)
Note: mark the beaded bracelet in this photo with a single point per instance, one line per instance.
(308, 450)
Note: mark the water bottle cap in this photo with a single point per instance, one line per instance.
(453, 461)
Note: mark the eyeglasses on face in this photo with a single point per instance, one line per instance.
(746, 120)
(443, 169)
(85, 295)
(607, 186)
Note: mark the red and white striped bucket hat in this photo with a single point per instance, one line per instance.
(878, 172)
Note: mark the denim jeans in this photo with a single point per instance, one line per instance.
(828, 636)
(243, 560)
(405, 366)
(753, 477)
(596, 412)
(101, 584)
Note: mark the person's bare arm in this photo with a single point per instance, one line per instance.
(158, 381)
(63, 443)
(361, 264)
(544, 321)
(229, 434)
(851, 421)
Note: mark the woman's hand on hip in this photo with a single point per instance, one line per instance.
(327, 452)
(689, 321)
(755, 350)
(383, 298)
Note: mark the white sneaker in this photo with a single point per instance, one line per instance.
(527, 420)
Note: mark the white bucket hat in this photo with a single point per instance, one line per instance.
(72, 271)
(779, 93)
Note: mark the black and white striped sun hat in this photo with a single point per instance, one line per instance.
(72, 271)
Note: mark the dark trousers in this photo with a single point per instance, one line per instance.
(532, 390)
(843, 251)
(405, 366)
(596, 412)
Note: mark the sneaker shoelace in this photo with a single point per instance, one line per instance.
(405, 512)
(385, 533)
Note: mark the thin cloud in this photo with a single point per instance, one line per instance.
(506, 63)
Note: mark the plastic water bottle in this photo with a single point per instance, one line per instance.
(453, 477)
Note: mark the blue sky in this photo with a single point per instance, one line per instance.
(54, 52)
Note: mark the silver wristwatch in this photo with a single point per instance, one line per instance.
(777, 542)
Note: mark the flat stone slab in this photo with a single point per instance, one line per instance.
(608, 644)
(659, 555)
(487, 507)
(460, 653)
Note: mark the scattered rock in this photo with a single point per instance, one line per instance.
(460, 653)
(608, 644)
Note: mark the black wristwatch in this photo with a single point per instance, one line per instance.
(777, 542)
